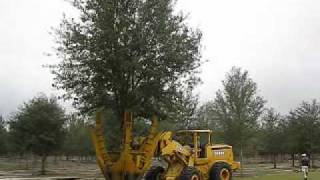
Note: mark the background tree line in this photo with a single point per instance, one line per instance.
(241, 118)
(237, 116)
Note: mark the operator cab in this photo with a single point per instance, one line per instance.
(195, 139)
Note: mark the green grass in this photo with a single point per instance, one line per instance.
(5, 166)
(283, 176)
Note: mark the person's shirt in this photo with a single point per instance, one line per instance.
(305, 161)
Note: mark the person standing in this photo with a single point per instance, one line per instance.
(305, 165)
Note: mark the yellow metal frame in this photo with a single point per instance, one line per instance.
(215, 153)
(135, 162)
(130, 162)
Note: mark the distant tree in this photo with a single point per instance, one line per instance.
(237, 107)
(288, 138)
(3, 136)
(112, 130)
(77, 141)
(2, 122)
(38, 127)
(69, 147)
(127, 55)
(304, 128)
(185, 114)
(272, 134)
(205, 117)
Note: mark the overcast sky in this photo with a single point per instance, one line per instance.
(278, 42)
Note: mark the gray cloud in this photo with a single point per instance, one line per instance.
(277, 41)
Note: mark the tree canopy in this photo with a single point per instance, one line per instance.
(237, 107)
(127, 55)
(272, 133)
(78, 139)
(38, 127)
(304, 128)
(3, 136)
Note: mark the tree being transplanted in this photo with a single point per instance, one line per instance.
(38, 127)
(237, 107)
(132, 55)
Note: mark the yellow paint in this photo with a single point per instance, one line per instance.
(133, 162)
(213, 154)
(138, 161)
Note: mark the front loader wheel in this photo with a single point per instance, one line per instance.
(190, 173)
(154, 173)
(221, 171)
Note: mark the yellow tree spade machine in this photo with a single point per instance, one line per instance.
(189, 155)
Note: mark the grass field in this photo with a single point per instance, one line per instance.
(284, 172)
(88, 170)
(282, 176)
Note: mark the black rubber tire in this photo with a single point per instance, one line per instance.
(217, 168)
(107, 174)
(154, 173)
(188, 173)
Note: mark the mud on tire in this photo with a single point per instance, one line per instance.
(190, 173)
(154, 173)
(221, 171)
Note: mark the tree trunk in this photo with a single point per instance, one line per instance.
(20, 162)
(241, 160)
(43, 164)
(312, 160)
(55, 159)
(34, 163)
(292, 156)
(27, 162)
(274, 161)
